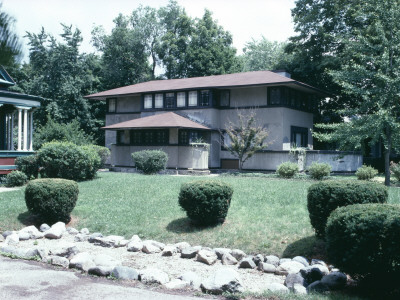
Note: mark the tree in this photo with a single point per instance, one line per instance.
(370, 76)
(263, 55)
(210, 50)
(246, 138)
(10, 47)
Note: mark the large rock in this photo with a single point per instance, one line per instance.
(6, 233)
(318, 262)
(289, 267)
(324, 269)
(277, 288)
(12, 239)
(299, 289)
(111, 241)
(82, 261)
(150, 248)
(81, 237)
(125, 273)
(59, 261)
(67, 250)
(266, 267)
(335, 280)
(56, 231)
(182, 245)
(106, 261)
(207, 257)
(272, 259)
(151, 275)
(84, 231)
(176, 284)
(301, 260)
(238, 254)
(318, 287)
(72, 231)
(221, 251)
(223, 280)
(311, 274)
(44, 227)
(135, 238)
(258, 258)
(134, 246)
(93, 237)
(192, 279)
(189, 252)
(20, 252)
(169, 250)
(292, 279)
(247, 263)
(100, 271)
(24, 236)
(2, 239)
(154, 243)
(43, 253)
(228, 259)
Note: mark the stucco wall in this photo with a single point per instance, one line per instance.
(128, 104)
(111, 135)
(255, 96)
(292, 117)
(181, 157)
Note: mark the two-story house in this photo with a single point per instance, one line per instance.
(172, 114)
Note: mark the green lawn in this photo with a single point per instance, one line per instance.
(266, 215)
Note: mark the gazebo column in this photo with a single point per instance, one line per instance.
(25, 130)
(31, 131)
(12, 131)
(19, 128)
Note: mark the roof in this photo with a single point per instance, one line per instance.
(216, 81)
(165, 120)
(5, 78)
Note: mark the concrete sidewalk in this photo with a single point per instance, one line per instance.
(33, 281)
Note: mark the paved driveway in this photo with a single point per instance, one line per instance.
(32, 281)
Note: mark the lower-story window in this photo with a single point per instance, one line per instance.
(299, 136)
(150, 137)
(190, 136)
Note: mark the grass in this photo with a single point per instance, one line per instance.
(267, 215)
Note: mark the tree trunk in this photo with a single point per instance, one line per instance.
(387, 156)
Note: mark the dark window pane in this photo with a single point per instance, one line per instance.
(170, 100)
(275, 96)
(224, 98)
(204, 98)
(183, 137)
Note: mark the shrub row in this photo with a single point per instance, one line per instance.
(325, 197)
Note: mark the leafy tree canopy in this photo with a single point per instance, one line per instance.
(10, 47)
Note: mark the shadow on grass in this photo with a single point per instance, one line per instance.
(28, 219)
(185, 225)
(310, 246)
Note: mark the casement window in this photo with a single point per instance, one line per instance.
(224, 98)
(299, 136)
(148, 101)
(158, 101)
(170, 100)
(204, 98)
(190, 136)
(193, 98)
(181, 99)
(225, 140)
(149, 137)
(275, 96)
(112, 105)
(123, 137)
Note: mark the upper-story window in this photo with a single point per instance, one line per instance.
(275, 96)
(170, 100)
(204, 98)
(224, 98)
(181, 99)
(158, 101)
(193, 98)
(148, 101)
(112, 105)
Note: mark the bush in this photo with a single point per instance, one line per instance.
(51, 199)
(324, 197)
(150, 161)
(16, 178)
(364, 240)
(366, 173)
(206, 202)
(287, 169)
(395, 170)
(103, 152)
(319, 170)
(67, 160)
(29, 165)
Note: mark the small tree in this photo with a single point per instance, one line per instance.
(246, 137)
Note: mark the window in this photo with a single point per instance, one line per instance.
(136, 137)
(183, 137)
(112, 105)
(158, 101)
(170, 100)
(193, 98)
(275, 96)
(225, 140)
(149, 137)
(148, 101)
(181, 99)
(224, 97)
(299, 136)
(190, 136)
(205, 98)
(123, 137)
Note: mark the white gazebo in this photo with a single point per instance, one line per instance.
(16, 123)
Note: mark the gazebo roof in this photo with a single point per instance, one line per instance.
(164, 120)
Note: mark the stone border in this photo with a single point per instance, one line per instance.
(302, 276)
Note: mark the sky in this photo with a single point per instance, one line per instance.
(245, 19)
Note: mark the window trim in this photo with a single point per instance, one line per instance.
(294, 130)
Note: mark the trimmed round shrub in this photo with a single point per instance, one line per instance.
(51, 199)
(67, 160)
(206, 202)
(287, 169)
(29, 165)
(319, 170)
(395, 170)
(324, 197)
(150, 161)
(366, 173)
(103, 152)
(364, 241)
(16, 178)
